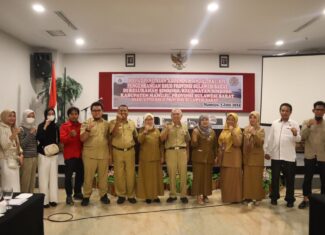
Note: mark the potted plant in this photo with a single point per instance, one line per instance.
(267, 179)
(110, 182)
(68, 90)
(215, 181)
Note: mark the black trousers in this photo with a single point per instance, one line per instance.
(311, 165)
(73, 165)
(288, 169)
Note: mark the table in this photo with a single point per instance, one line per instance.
(317, 214)
(25, 219)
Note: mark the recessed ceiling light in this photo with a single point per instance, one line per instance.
(194, 41)
(80, 41)
(38, 8)
(212, 7)
(279, 43)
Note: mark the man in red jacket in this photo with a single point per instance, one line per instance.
(70, 137)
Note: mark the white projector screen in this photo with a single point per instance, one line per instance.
(298, 80)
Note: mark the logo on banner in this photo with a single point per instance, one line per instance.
(178, 59)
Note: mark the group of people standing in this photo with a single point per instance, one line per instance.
(90, 147)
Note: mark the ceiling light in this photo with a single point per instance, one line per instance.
(324, 11)
(38, 8)
(279, 43)
(194, 42)
(80, 41)
(212, 7)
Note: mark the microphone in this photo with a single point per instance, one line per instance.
(99, 100)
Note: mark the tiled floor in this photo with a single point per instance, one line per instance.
(176, 218)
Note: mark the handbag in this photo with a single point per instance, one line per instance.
(12, 163)
(51, 149)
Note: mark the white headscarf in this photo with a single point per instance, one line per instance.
(24, 122)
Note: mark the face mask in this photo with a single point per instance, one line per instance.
(51, 118)
(318, 118)
(30, 120)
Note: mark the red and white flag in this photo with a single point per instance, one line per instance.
(53, 93)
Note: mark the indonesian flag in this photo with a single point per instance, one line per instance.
(53, 94)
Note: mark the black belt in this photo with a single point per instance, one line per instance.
(124, 150)
(176, 148)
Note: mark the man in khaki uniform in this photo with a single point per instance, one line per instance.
(177, 138)
(94, 134)
(313, 133)
(123, 135)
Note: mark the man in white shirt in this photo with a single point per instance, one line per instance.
(281, 149)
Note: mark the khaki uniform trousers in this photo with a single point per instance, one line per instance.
(124, 172)
(177, 162)
(90, 167)
(28, 174)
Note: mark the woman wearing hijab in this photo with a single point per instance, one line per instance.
(230, 160)
(48, 134)
(204, 151)
(150, 182)
(253, 159)
(10, 152)
(28, 142)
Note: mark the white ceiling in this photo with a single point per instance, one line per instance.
(164, 26)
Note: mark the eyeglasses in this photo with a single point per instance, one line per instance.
(96, 110)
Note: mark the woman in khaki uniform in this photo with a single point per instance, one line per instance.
(203, 144)
(150, 181)
(230, 160)
(253, 159)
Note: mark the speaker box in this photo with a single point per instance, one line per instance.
(42, 65)
(157, 120)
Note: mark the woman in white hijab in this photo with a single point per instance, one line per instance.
(28, 142)
(150, 181)
(10, 152)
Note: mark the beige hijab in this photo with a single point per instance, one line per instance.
(225, 136)
(4, 116)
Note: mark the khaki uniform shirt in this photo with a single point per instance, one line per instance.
(126, 135)
(96, 146)
(314, 138)
(178, 136)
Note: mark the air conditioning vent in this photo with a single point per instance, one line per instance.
(61, 15)
(56, 33)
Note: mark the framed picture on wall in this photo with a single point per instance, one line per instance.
(223, 61)
(129, 60)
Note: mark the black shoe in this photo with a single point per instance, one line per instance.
(157, 200)
(303, 204)
(290, 204)
(274, 202)
(78, 196)
(104, 199)
(85, 201)
(171, 199)
(148, 201)
(120, 200)
(184, 200)
(69, 200)
(53, 204)
(46, 206)
(132, 200)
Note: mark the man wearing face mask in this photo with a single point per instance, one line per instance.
(28, 143)
(123, 136)
(70, 137)
(47, 135)
(313, 133)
